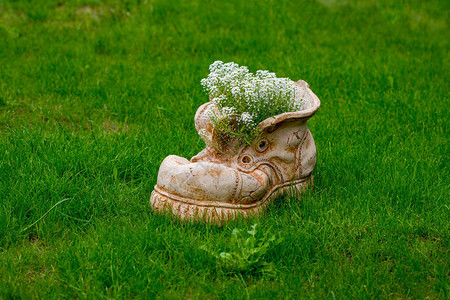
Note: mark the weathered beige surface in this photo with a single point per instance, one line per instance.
(218, 186)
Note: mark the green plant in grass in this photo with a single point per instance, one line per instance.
(246, 252)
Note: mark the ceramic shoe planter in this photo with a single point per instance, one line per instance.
(216, 185)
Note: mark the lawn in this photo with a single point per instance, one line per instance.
(95, 94)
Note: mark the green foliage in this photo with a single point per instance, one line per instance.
(241, 100)
(246, 254)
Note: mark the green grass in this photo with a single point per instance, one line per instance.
(94, 95)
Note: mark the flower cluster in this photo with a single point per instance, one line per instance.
(246, 97)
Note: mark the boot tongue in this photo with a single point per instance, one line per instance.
(210, 154)
(225, 143)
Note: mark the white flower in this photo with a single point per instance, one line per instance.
(218, 101)
(202, 132)
(235, 91)
(247, 119)
(229, 111)
(215, 65)
(264, 74)
(255, 97)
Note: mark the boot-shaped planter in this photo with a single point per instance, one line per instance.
(220, 184)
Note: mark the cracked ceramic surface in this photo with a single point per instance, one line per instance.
(220, 185)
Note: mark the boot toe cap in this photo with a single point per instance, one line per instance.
(206, 181)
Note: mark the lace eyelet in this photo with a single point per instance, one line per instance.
(262, 145)
(246, 159)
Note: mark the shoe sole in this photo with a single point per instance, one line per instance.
(218, 212)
